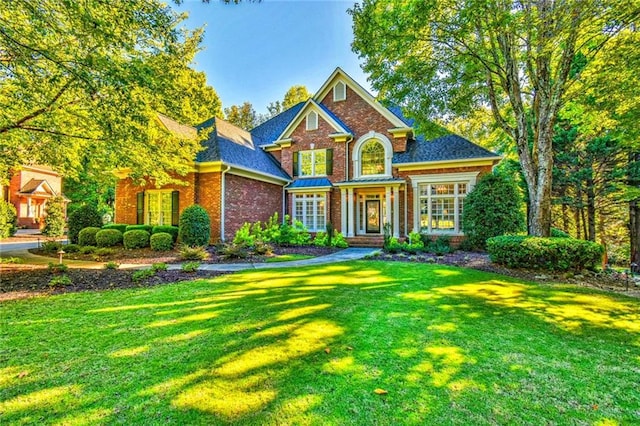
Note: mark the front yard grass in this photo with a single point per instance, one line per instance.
(312, 345)
(288, 257)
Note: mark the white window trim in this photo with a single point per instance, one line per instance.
(312, 124)
(314, 198)
(357, 150)
(469, 178)
(147, 193)
(313, 162)
(337, 95)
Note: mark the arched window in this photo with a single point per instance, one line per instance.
(372, 158)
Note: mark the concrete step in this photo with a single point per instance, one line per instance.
(374, 241)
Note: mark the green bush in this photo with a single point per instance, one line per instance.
(147, 228)
(87, 249)
(104, 251)
(271, 231)
(60, 281)
(558, 233)
(554, 254)
(51, 246)
(87, 236)
(171, 230)
(413, 244)
(57, 268)
(190, 267)
(321, 239)
(55, 221)
(161, 241)
(193, 253)
(71, 248)
(108, 238)
(8, 219)
(339, 241)
(111, 265)
(142, 274)
(293, 234)
(160, 266)
(195, 226)
(122, 227)
(393, 245)
(136, 239)
(439, 247)
(83, 217)
(244, 237)
(262, 248)
(234, 251)
(493, 207)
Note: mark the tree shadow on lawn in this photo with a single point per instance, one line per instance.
(310, 345)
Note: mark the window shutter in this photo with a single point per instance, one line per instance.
(330, 161)
(140, 208)
(175, 208)
(295, 164)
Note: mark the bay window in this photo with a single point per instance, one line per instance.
(311, 210)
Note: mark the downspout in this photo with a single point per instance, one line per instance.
(406, 230)
(346, 175)
(222, 201)
(284, 202)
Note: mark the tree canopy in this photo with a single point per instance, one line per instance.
(243, 116)
(85, 80)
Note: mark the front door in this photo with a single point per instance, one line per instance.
(373, 216)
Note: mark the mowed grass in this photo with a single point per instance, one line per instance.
(288, 257)
(312, 345)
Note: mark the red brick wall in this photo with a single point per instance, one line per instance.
(248, 200)
(208, 196)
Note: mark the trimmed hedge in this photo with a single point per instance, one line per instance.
(87, 236)
(553, 254)
(108, 238)
(83, 217)
(195, 227)
(122, 227)
(161, 241)
(8, 219)
(147, 228)
(171, 230)
(136, 238)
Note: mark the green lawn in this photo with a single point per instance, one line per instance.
(288, 257)
(311, 345)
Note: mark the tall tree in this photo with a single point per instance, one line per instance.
(440, 58)
(243, 116)
(295, 95)
(89, 77)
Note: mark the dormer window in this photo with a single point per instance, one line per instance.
(372, 155)
(339, 92)
(312, 120)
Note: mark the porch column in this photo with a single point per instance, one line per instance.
(396, 212)
(351, 226)
(343, 211)
(416, 207)
(387, 207)
(28, 206)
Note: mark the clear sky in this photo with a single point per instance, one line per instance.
(255, 51)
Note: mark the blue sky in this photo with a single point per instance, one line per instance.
(255, 51)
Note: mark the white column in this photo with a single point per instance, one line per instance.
(343, 211)
(396, 212)
(29, 207)
(356, 230)
(350, 215)
(387, 206)
(416, 207)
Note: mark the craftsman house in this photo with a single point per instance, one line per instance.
(340, 157)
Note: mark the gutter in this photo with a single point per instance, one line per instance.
(222, 200)
(346, 158)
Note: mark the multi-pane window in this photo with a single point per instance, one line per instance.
(441, 206)
(159, 208)
(372, 158)
(310, 209)
(312, 163)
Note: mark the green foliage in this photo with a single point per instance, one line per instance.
(11, 260)
(8, 219)
(103, 251)
(321, 239)
(51, 246)
(294, 96)
(171, 230)
(271, 231)
(234, 251)
(330, 233)
(87, 249)
(60, 281)
(244, 236)
(558, 233)
(55, 220)
(57, 268)
(161, 241)
(492, 208)
(136, 239)
(555, 254)
(243, 116)
(142, 274)
(293, 234)
(190, 267)
(87, 236)
(108, 238)
(393, 246)
(441, 245)
(122, 227)
(262, 249)
(193, 253)
(195, 226)
(111, 265)
(413, 244)
(147, 228)
(83, 217)
(386, 230)
(160, 266)
(339, 241)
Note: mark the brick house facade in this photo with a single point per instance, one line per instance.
(340, 157)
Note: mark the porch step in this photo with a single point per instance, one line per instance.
(374, 241)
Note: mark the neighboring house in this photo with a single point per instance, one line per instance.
(340, 157)
(29, 190)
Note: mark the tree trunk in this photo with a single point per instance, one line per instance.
(591, 209)
(634, 224)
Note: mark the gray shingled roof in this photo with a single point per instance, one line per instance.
(268, 131)
(235, 146)
(310, 183)
(449, 147)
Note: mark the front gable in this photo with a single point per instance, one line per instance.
(311, 113)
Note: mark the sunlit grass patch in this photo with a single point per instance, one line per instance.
(288, 257)
(312, 345)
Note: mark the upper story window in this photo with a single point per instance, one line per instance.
(312, 120)
(339, 92)
(317, 162)
(372, 158)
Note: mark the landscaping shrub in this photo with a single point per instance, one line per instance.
(160, 266)
(104, 251)
(108, 238)
(493, 207)
(147, 228)
(142, 274)
(122, 227)
(558, 233)
(321, 239)
(87, 236)
(8, 219)
(190, 267)
(393, 245)
(71, 248)
(60, 281)
(57, 268)
(87, 249)
(55, 221)
(111, 265)
(339, 241)
(161, 241)
(262, 248)
(271, 231)
(51, 246)
(234, 251)
(413, 244)
(193, 253)
(195, 227)
(171, 230)
(441, 246)
(554, 254)
(293, 234)
(244, 237)
(136, 239)
(83, 217)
